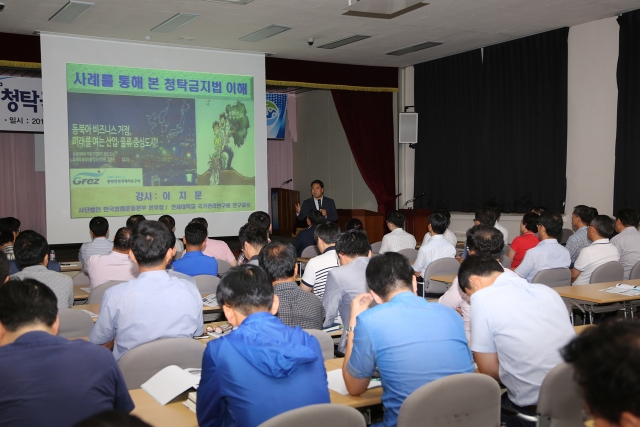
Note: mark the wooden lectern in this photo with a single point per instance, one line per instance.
(283, 210)
(416, 222)
(373, 222)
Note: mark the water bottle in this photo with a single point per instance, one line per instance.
(52, 255)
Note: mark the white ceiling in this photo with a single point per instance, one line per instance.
(460, 25)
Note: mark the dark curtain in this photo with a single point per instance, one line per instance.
(447, 98)
(626, 192)
(367, 119)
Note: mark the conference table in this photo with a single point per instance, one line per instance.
(445, 278)
(95, 308)
(592, 293)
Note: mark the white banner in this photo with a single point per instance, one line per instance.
(21, 104)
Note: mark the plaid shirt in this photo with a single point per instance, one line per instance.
(297, 307)
(576, 242)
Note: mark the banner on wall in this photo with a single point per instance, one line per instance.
(276, 115)
(21, 104)
(149, 141)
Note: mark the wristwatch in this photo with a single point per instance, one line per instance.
(350, 329)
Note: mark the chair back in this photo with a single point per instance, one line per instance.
(566, 233)
(96, 294)
(635, 271)
(81, 279)
(505, 261)
(223, 266)
(207, 284)
(412, 254)
(325, 340)
(322, 415)
(461, 400)
(553, 277)
(375, 247)
(560, 403)
(436, 268)
(310, 252)
(608, 272)
(74, 323)
(142, 362)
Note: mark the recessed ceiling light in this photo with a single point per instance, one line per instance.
(176, 21)
(414, 48)
(186, 38)
(347, 40)
(70, 11)
(264, 33)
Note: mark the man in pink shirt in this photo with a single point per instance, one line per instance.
(115, 265)
(216, 248)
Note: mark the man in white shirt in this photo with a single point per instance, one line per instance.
(99, 244)
(438, 247)
(398, 239)
(448, 234)
(548, 253)
(116, 265)
(599, 252)
(628, 238)
(517, 330)
(497, 209)
(318, 267)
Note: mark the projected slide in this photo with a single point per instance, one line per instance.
(154, 142)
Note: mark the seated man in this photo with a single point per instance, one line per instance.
(32, 254)
(261, 220)
(305, 238)
(252, 239)
(170, 222)
(48, 380)
(261, 356)
(517, 330)
(628, 238)
(153, 306)
(99, 229)
(325, 205)
(448, 234)
(605, 360)
(409, 340)
(134, 220)
(482, 216)
(497, 210)
(580, 219)
(318, 268)
(347, 281)
(216, 248)
(116, 265)
(599, 252)
(194, 262)
(548, 253)
(437, 248)
(398, 239)
(297, 307)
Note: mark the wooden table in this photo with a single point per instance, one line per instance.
(70, 266)
(79, 294)
(592, 293)
(445, 278)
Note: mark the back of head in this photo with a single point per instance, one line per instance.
(396, 218)
(10, 223)
(5, 267)
(150, 241)
(195, 234)
(585, 213)
(328, 232)
(168, 221)
(628, 217)
(447, 214)
(388, 273)
(278, 260)
(134, 220)
(315, 216)
(253, 235)
(438, 223)
(260, 219)
(605, 360)
(604, 225)
(353, 243)
(200, 220)
(30, 248)
(354, 224)
(99, 226)
(27, 302)
(485, 240)
(530, 221)
(477, 265)
(495, 207)
(121, 240)
(538, 209)
(552, 223)
(486, 217)
(246, 288)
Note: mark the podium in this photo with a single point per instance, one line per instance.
(373, 222)
(283, 210)
(416, 222)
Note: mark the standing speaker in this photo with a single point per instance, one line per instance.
(408, 128)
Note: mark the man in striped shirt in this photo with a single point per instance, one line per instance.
(317, 269)
(99, 244)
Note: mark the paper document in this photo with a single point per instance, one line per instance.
(336, 382)
(91, 313)
(170, 382)
(622, 289)
(87, 290)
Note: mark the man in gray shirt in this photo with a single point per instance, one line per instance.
(32, 254)
(628, 238)
(344, 283)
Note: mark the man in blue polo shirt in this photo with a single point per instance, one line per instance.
(408, 354)
(194, 262)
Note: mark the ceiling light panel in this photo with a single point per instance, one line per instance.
(414, 48)
(71, 11)
(176, 21)
(382, 9)
(264, 33)
(347, 40)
